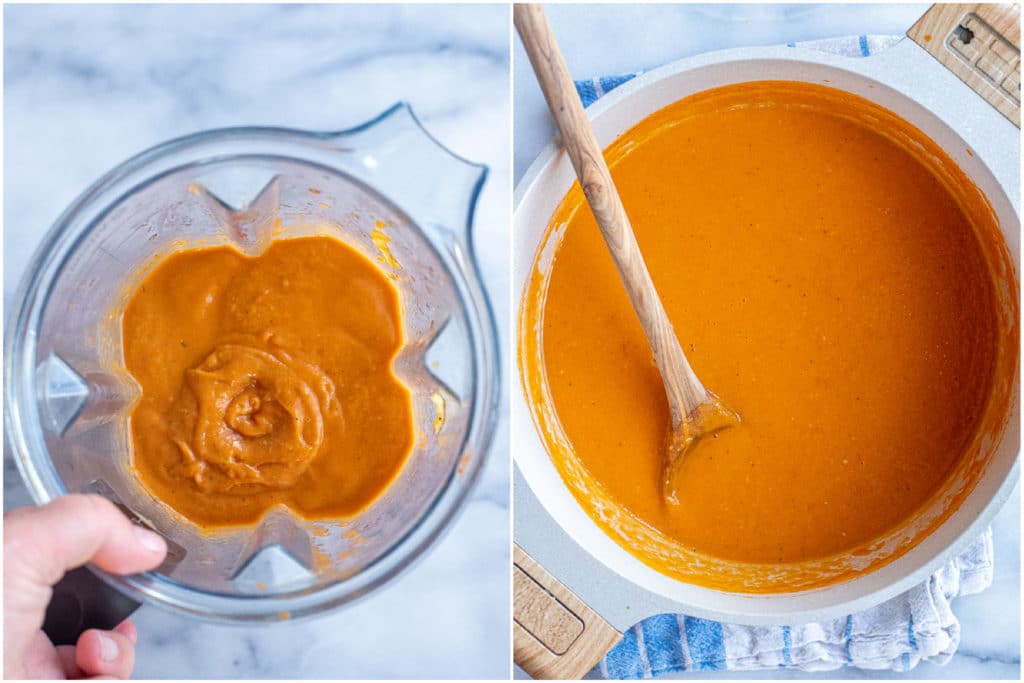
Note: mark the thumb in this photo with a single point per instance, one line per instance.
(42, 543)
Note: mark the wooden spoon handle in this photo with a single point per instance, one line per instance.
(684, 390)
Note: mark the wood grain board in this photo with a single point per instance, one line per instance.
(980, 43)
(555, 634)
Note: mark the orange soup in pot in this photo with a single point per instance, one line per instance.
(267, 380)
(832, 276)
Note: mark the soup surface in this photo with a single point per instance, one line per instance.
(266, 380)
(824, 281)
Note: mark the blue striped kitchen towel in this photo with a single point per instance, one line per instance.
(914, 627)
(896, 635)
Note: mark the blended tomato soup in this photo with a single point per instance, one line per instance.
(824, 281)
(266, 380)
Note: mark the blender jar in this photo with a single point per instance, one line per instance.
(387, 189)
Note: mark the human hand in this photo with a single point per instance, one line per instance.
(40, 545)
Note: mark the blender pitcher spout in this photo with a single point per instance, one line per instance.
(401, 159)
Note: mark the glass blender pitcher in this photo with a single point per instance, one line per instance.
(387, 189)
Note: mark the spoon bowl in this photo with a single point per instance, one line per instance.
(710, 417)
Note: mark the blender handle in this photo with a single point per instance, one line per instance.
(980, 44)
(82, 601)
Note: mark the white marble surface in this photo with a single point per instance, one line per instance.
(612, 39)
(86, 87)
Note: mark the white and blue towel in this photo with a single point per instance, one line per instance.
(592, 89)
(917, 626)
(896, 635)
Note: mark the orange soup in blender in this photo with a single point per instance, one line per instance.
(266, 380)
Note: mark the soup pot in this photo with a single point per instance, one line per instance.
(576, 589)
(387, 189)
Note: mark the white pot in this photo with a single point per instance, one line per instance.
(553, 528)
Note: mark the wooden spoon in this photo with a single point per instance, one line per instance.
(695, 411)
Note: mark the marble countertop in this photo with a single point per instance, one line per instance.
(88, 86)
(646, 36)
